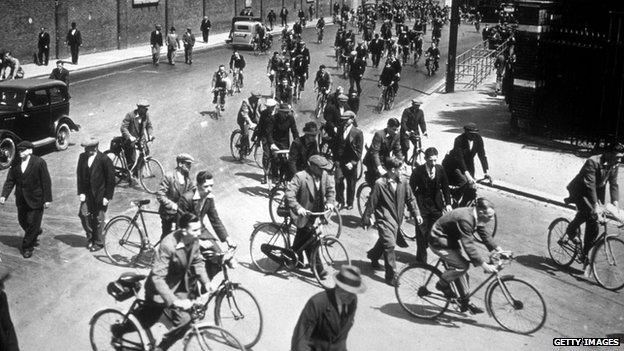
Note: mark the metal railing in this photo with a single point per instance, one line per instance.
(476, 64)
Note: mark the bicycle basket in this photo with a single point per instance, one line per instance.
(116, 144)
(125, 286)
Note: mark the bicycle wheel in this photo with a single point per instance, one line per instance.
(151, 175)
(258, 152)
(380, 105)
(409, 226)
(415, 290)
(327, 259)
(608, 263)
(560, 249)
(122, 240)
(516, 305)
(236, 309)
(360, 170)
(235, 141)
(210, 337)
(362, 194)
(101, 335)
(332, 224)
(276, 199)
(121, 172)
(266, 234)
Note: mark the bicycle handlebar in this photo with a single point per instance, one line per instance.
(322, 213)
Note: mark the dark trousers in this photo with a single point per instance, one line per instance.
(271, 24)
(205, 35)
(188, 54)
(376, 56)
(8, 338)
(43, 56)
(167, 222)
(386, 249)
(244, 141)
(74, 53)
(30, 220)
(149, 313)
(92, 222)
(584, 215)
(429, 216)
(350, 177)
(303, 235)
(171, 54)
(283, 21)
(129, 151)
(355, 80)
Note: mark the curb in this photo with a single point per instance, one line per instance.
(528, 193)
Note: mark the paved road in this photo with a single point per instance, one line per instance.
(54, 294)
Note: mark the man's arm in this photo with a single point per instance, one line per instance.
(614, 191)
(412, 206)
(217, 225)
(421, 122)
(109, 177)
(374, 150)
(148, 126)
(200, 268)
(293, 127)
(46, 182)
(588, 175)
(465, 231)
(358, 146)
(481, 154)
(293, 157)
(444, 183)
(159, 273)
(125, 124)
(9, 183)
(404, 119)
(371, 204)
(291, 194)
(163, 189)
(305, 326)
(396, 148)
(79, 181)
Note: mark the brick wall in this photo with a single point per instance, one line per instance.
(97, 22)
(138, 22)
(21, 21)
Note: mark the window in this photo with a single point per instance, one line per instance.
(37, 98)
(242, 27)
(57, 95)
(10, 99)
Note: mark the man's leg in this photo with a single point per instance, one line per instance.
(377, 251)
(351, 83)
(97, 222)
(389, 261)
(244, 145)
(181, 321)
(302, 235)
(46, 54)
(591, 232)
(40, 56)
(340, 187)
(358, 85)
(85, 220)
(583, 215)
(457, 266)
(7, 330)
(205, 36)
(190, 55)
(351, 178)
(33, 228)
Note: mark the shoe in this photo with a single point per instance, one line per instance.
(470, 307)
(349, 207)
(374, 262)
(27, 253)
(574, 239)
(391, 280)
(116, 330)
(446, 290)
(222, 108)
(96, 247)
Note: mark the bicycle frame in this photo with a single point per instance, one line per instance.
(142, 233)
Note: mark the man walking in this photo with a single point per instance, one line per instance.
(173, 44)
(271, 17)
(205, 28)
(74, 40)
(43, 46)
(387, 200)
(431, 189)
(33, 193)
(472, 142)
(96, 185)
(189, 41)
(60, 73)
(284, 16)
(348, 145)
(171, 189)
(156, 41)
(328, 316)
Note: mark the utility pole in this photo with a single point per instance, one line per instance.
(452, 50)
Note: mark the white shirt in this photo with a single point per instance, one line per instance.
(90, 160)
(24, 165)
(346, 132)
(470, 143)
(431, 172)
(393, 184)
(73, 32)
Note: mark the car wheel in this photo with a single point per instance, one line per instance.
(7, 152)
(62, 137)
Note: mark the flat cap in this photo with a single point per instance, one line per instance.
(320, 161)
(143, 103)
(471, 127)
(310, 128)
(416, 102)
(271, 102)
(343, 97)
(348, 115)
(23, 145)
(184, 157)
(90, 142)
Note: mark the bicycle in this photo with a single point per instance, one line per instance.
(606, 255)
(254, 147)
(270, 249)
(507, 299)
(220, 101)
(149, 170)
(277, 169)
(200, 336)
(418, 156)
(456, 198)
(321, 103)
(386, 99)
(237, 77)
(432, 65)
(125, 243)
(236, 308)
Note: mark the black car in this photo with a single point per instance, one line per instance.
(36, 110)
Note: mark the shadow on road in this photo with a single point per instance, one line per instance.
(254, 191)
(367, 270)
(253, 176)
(11, 240)
(545, 264)
(351, 221)
(72, 240)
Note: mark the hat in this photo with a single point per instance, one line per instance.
(255, 93)
(348, 115)
(142, 103)
(23, 145)
(349, 279)
(270, 103)
(310, 128)
(90, 142)
(186, 158)
(343, 97)
(471, 127)
(320, 161)
(284, 107)
(417, 102)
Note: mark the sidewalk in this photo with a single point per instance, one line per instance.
(527, 166)
(102, 59)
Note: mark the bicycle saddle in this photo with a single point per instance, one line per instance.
(131, 277)
(141, 202)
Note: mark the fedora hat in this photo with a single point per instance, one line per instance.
(349, 279)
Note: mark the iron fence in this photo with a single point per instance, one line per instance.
(476, 64)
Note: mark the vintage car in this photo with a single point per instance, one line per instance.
(36, 110)
(243, 31)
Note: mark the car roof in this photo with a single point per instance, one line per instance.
(31, 83)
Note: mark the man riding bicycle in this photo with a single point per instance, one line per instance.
(448, 235)
(168, 288)
(274, 65)
(247, 118)
(322, 81)
(300, 69)
(464, 185)
(262, 131)
(219, 86)
(472, 142)
(389, 78)
(136, 126)
(320, 28)
(412, 125)
(385, 144)
(237, 64)
(433, 53)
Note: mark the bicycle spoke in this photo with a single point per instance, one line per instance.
(416, 293)
(608, 263)
(517, 306)
(238, 311)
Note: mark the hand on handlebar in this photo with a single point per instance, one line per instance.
(488, 268)
(302, 211)
(183, 304)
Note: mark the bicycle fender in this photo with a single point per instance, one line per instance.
(145, 334)
(489, 288)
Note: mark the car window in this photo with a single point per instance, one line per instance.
(10, 99)
(242, 28)
(57, 95)
(37, 98)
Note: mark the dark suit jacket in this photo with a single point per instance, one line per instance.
(205, 25)
(411, 119)
(320, 326)
(381, 147)
(389, 207)
(349, 150)
(431, 194)
(477, 149)
(170, 190)
(190, 203)
(130, 126)
(156, 39)
(60, 74)
(300, 192)
(74, 40)
(44, 40)
(591, 182)
(280, 128)
(96, 182)
(299, 154)
(33, 188)
(455, 166)
(458, 226)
